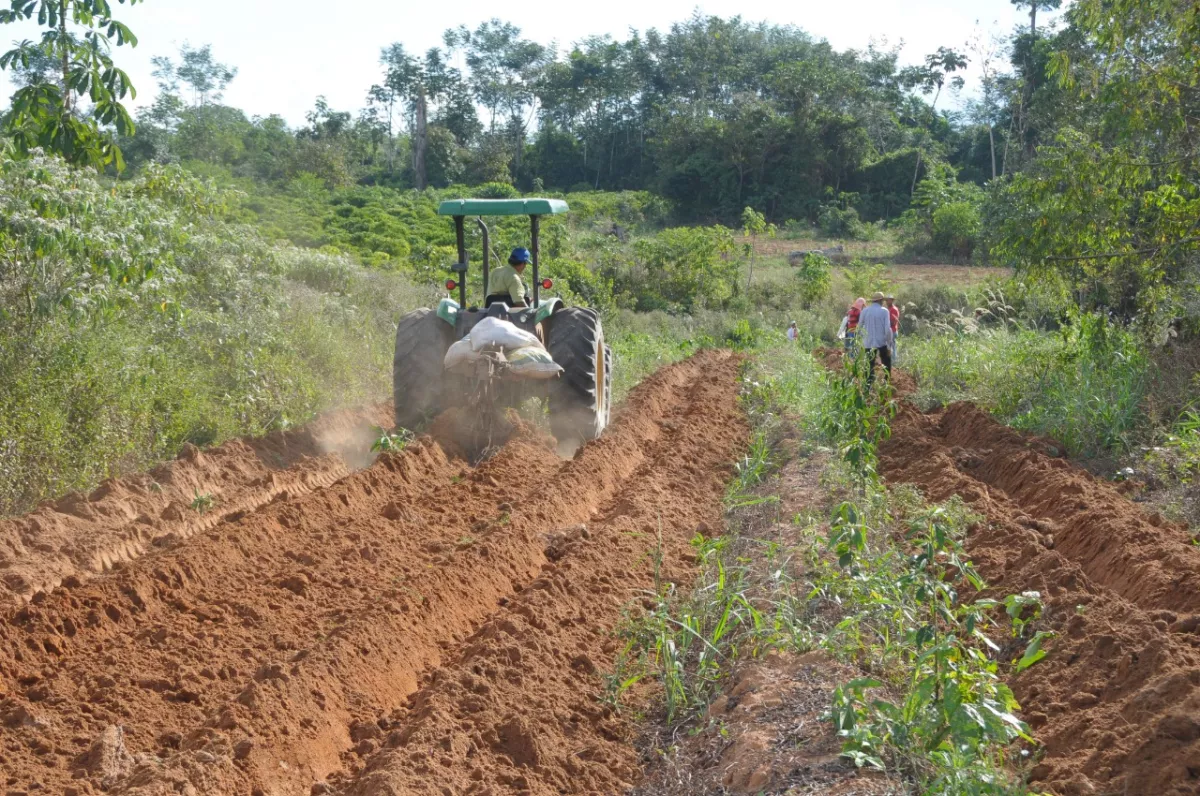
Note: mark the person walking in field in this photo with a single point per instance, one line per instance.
(852, 318)
(876, 324)
(793, 333)
(894, 311)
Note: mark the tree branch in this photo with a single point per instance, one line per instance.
(1114, 255)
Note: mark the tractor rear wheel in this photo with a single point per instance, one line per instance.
(579, 400)
(422, 339)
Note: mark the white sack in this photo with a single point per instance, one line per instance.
(493, 331)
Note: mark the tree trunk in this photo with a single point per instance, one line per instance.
(932, 109)
(66, 58)
(913, 190)
(992, 142)
(1033, 18)
(420, 142)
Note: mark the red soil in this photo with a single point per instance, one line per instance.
(1116, 703)
(80, 535)
(419, 626)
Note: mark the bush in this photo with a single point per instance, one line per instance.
(495, 190)
(815, 279)
(956, 228)
(683, 268)
(836, 222)
(153, 318)
(863, 279)
(1083, 386)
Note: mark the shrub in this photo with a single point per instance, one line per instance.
(496, 190)
(153, 318)
(838, 222)
(863, 279)
(956, 228)
(815, 279)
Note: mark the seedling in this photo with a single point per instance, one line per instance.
(391, 441)
(202, 502)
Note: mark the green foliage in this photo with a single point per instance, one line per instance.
(682, 268)
(815, 279)
(945, 219)
(44, 113)
(934, 708)
(202, 503)
(391, 441)
(955, 228)
(1083, 386)
(840, 222)
(863, 278)
(137, 317)
(857, 420)
(948, 717)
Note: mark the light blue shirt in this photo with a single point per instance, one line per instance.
(875, 323)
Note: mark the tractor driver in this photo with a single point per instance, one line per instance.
(505, 285)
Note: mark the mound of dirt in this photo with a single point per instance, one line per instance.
(432, 626)
(80, 535)
(1116, 703)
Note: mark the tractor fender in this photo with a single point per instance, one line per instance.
(448, 310)
(546, 309)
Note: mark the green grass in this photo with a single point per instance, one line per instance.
(1083, 385)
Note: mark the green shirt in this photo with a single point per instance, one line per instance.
(505, 279)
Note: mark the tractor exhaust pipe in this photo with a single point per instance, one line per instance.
(487, 253)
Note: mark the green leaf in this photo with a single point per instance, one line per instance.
(1033, 651)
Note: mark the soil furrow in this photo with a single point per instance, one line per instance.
(1116, 703)
(260, 644)
(81, 535)
(520, 709)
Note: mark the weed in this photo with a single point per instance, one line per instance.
(202, 503)
(392, 441)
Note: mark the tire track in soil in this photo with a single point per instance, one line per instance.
(80, 535)
(242, 661)
(1116, 703)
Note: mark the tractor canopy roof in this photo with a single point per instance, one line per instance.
(502, 207)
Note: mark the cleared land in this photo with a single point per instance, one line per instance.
(424, 626)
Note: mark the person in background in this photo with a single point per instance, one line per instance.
(876, 324)
(852, 324)
(505, 285)
(894, 311)
(793, 333)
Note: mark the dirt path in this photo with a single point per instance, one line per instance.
(80, 535)
(1116, 703)
(419, 626)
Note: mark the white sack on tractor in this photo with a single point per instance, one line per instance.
(461, 353)
(493, 331)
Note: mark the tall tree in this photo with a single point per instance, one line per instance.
(78, 35)
(196, 69)
(932, 77)
(415, 82)
(505, 70)
(1034, 6)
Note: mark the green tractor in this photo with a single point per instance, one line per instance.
(577, 400)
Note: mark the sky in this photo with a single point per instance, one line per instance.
(288, 52)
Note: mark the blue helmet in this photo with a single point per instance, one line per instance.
(519, 255)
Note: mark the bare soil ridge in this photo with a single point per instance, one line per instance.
(1116, 703)
(80, 535)
(418, 610)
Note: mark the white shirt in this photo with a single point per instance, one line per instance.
(791, 332)
(876, 324)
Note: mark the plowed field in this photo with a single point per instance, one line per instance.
(1116, 703)
(420, 626)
